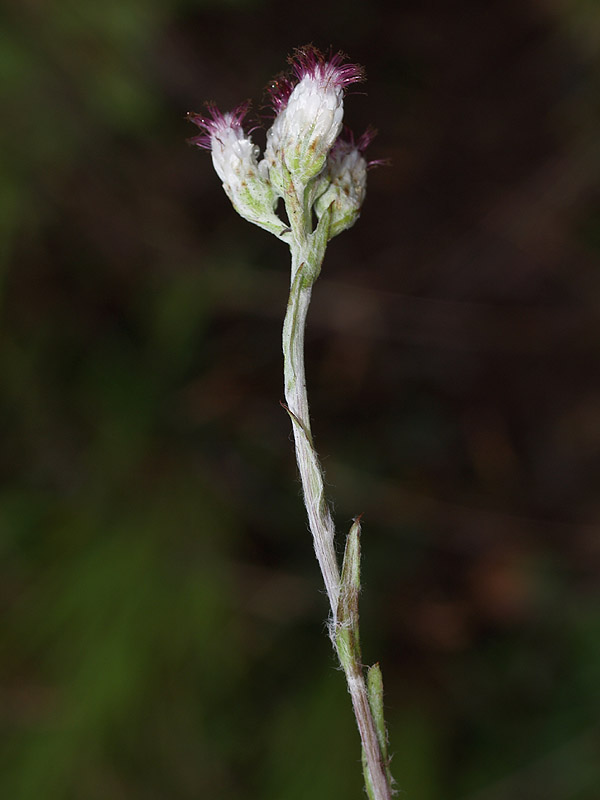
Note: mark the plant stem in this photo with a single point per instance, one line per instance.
(319, 516)
(307, 254)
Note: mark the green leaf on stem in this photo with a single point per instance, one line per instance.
(348, 639)
(375, 694)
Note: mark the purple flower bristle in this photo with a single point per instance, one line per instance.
(215, 121)
(365, 139)
(346, 142)
(279, 90)
(347, 139)
(308, 60)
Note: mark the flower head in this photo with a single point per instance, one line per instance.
(309, 115)
(223, 135)
(345, 180)
(235, 159)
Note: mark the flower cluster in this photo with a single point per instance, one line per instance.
(308, 161)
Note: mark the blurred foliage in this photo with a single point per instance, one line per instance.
(163, 633)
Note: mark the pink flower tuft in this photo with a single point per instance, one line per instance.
(332, 71)
(216, 123)
(346, 143)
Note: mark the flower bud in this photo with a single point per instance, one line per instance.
(345, 181)
(235, 159)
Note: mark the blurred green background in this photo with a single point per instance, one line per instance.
(163, 617)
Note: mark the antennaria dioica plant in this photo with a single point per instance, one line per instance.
(316, 169)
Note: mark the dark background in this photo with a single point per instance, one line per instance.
(163, 616)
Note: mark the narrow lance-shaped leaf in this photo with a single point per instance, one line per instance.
(347, 638)
(375, 694)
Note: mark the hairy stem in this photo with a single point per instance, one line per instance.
(319, 516)
(342, 590)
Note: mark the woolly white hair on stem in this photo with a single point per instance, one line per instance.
(313, 169)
